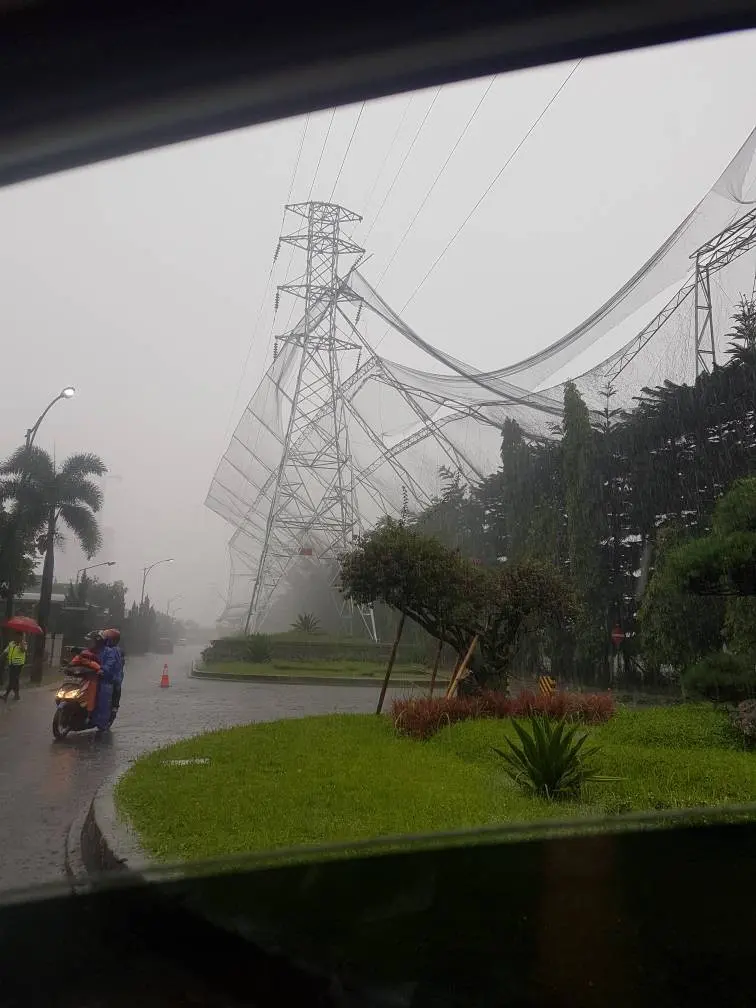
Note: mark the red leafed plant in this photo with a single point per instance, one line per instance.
(422, 717)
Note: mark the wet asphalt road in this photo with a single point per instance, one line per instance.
(45, 785)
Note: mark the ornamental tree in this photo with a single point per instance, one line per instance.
(455, 599)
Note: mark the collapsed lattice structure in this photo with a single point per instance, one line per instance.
(336, 436)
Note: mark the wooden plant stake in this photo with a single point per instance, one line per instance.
(459, 673)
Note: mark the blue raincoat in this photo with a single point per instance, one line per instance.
(118, 657)
(110, 666)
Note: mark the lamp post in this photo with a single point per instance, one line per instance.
(146, 570)
(67, 393)
(168, 604)
(105, 563)
(83, 572)
(13, 526)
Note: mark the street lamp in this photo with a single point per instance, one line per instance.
(105, 563)
(13, 526)
(146, 571)
(168, 604)
(65, 393)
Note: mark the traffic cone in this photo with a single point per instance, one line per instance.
(164, 680)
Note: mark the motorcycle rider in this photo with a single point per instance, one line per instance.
(84, 658)
(113, 637)
(110, 673)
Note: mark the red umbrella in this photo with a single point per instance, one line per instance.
(23, 624)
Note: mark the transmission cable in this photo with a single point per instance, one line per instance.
(346, 152)
(490, 186)
(389, 152)
(255, 328)
(440, 172)
(322, 152)
(418, 131)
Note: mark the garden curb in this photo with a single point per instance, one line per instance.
(99, 842)
(287, 680)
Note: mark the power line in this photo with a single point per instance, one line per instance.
(299, 156)
(346, 152)
(387, 155)
(255, 328)
(418, 131)
(322, 152)
(490, 186)
(440, 172)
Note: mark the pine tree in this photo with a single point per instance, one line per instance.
(586, 530)
(743, 336)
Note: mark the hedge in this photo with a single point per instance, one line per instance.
(722, 676)
(307, 647)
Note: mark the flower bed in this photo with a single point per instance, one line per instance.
(422, 717)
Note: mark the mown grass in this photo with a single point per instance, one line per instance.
(349, 777)
(346, 668)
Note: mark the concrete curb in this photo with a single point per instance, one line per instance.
(99, 843)
(107, 843)
(286, 680)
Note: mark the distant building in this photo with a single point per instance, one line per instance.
(66, 617)
(25, 604)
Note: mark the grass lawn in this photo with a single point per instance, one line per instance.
(346, 668)
(348, 777)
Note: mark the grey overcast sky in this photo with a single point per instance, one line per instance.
(141, 281)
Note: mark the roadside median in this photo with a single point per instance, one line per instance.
(317, 673)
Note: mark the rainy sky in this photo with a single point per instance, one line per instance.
(146, 281)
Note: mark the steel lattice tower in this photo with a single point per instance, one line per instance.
(313, 507)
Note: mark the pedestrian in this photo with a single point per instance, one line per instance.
(15, 658)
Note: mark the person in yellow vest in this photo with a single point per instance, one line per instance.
(15, 658)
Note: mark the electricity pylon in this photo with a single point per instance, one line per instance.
(313, 509)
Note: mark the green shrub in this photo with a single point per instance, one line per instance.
(254, 648)
(551, 761)
(744, 722)
(723, 676)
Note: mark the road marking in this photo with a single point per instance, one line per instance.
(186, 762)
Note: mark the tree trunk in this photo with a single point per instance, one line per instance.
(645, 566)
(435, 666)
(45, 599)
(392, 658)
(10, 539)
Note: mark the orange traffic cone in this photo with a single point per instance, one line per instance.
(164, 680)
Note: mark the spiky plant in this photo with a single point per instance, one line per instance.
(551, 760)
(306, 623)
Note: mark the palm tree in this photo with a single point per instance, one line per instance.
(306, 623)
(49, 497)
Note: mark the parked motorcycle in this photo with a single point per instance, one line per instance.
(75, 703)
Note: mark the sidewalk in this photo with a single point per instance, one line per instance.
(50, 678)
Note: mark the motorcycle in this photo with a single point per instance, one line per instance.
(75, 703)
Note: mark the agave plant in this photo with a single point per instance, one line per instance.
(551, 760)
(306, 623)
